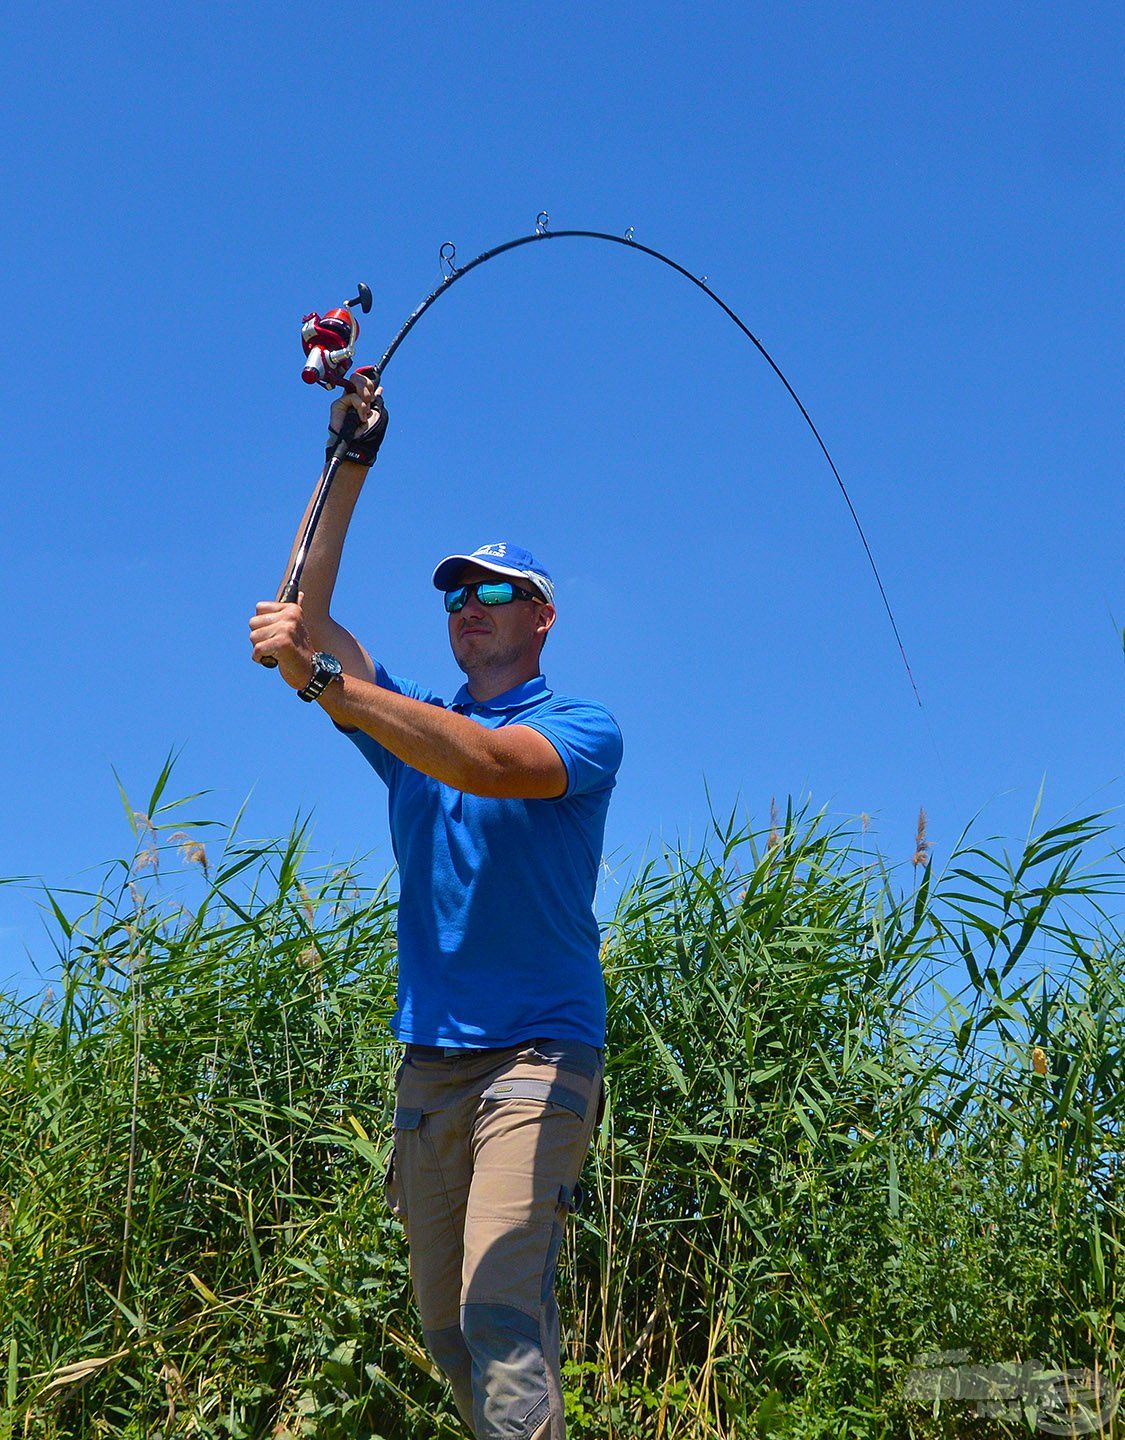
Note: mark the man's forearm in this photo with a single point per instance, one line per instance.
(322, 564)
(450, 747)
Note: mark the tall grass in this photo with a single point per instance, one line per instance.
(851, 1121)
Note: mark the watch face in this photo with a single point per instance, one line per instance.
(329, 663)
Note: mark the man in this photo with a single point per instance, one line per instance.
(497, 803)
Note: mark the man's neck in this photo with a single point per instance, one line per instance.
(485, 684)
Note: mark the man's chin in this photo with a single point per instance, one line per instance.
(469, 659)
(480, 659)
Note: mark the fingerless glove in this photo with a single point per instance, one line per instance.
(363, 446)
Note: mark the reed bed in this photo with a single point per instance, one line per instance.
(857, 1118)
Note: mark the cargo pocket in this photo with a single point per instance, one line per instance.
(405, 1119)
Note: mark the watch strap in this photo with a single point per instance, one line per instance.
(322, 676)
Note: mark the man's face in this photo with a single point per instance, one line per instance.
(496, 636)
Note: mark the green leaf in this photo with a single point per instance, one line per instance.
(670, 1063)
(770, 1416)
(130, 813)
(162, 781)
(64, 923)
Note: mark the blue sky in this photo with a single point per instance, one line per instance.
(917, 208)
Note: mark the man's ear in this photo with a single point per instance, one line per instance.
(547, 617)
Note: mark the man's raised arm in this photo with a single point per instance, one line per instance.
(322, 564)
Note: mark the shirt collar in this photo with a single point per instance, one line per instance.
(514, 699)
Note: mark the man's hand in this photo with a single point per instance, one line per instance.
(278, 629)
(367, 401)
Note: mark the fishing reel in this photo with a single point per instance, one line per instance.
(329, 342)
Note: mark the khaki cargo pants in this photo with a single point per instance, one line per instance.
(488, 1146)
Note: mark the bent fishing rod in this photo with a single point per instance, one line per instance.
(329, 345)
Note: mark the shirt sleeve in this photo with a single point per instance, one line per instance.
(386, 764)
(588, 740)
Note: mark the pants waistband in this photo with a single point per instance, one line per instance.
(454, 1052)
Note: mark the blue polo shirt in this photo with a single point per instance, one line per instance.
(497, 940)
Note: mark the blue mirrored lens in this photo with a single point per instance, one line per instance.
(497, 593)
(455, 599)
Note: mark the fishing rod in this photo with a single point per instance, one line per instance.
(328, 367)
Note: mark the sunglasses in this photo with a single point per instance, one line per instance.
(488, 592)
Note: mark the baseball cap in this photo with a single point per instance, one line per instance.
(504, 559)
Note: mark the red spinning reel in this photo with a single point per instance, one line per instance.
(329, 343)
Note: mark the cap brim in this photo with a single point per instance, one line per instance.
(447, 572)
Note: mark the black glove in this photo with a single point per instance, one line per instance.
(363, 446)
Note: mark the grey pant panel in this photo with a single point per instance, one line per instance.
(452, 1357)
(510, 1395)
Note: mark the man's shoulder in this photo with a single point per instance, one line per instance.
(586, 735)
(402, 685)
(572, 706)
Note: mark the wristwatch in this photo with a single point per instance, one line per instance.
(326, 668)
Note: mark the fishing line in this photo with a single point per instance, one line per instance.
(542, 231)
